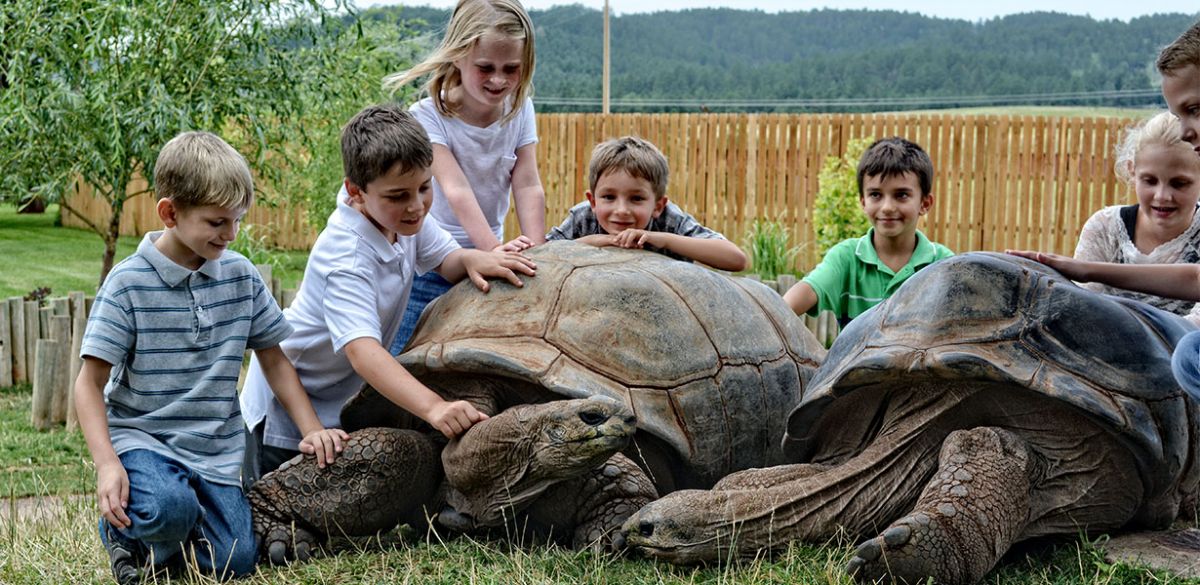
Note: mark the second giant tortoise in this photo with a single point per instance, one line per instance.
(709, 365)
(990, 400)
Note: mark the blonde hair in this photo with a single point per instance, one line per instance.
(197, 169)
(1163, 129)
(635, 156)
(471, 20)
(1182, 52)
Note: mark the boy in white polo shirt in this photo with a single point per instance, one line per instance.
(356, 285)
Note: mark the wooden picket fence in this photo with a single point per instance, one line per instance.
(40, 344)
(1000, 181)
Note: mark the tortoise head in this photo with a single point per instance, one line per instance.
(683, 527)
(509, 459)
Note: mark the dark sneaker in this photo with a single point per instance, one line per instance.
(122, 556)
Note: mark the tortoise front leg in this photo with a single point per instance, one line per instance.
(383, 477)
(593, 506)
(966, 518)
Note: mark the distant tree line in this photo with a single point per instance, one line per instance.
(715, 58)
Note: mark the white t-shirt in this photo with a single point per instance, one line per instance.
(487, 157)
(356, 284)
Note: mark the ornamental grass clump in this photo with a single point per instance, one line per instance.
(771, 251)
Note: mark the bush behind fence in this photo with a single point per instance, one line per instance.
(1000, 181)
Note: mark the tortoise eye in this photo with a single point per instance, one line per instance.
(592, 418)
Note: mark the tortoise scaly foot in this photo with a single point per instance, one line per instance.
(966, 518)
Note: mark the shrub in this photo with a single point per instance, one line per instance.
(251, 242)
(837, 214)
(771, 252)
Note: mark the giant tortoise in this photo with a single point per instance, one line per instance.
(709, 365)
(990, 400)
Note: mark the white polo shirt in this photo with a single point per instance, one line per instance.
(356, 284)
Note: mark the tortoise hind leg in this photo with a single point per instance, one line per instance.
(966, 518)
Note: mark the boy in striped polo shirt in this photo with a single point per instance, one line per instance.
(157, 396)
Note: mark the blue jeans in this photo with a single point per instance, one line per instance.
(1185, 362)
(425, 288)
(173, 509)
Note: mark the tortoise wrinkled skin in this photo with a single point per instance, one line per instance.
(503, 465)
(296, 507)
(988, 401)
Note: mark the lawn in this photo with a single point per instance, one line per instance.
(38, 253)
(58, 544)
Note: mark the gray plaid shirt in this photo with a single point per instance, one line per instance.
(582, 222)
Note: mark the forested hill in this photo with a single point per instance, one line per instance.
(720, 56)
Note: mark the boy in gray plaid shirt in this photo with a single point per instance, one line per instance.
(627, 207)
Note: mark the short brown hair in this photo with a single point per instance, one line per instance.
(635, 156)
(379, 137)
(1182, 52)
(196, 169)
(892, 157)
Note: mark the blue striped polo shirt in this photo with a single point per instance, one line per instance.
(176, 338)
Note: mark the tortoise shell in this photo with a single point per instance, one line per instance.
(1012, 323)
(710, 364)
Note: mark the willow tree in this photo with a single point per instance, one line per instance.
(90, 90)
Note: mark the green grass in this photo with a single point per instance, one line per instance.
(37, 463)
(37, 253)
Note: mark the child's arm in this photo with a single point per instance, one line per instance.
(529, 196)
(716, 252)
(801, 297)
(478, 265)
(285, 384)
(379, 369)
(461, 197)
(112, 482)
(1176, 281)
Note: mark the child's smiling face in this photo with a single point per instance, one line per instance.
(1167, 182)
(622, 201)
(1181, 89)
(490, 72)
(395, 202)
(894, 203)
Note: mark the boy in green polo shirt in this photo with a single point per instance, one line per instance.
(895, 177)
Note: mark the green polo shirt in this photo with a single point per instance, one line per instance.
(851, 278)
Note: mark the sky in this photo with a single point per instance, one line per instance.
(960, 9)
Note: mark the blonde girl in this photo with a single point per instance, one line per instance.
(1163, 226)
(479, 116)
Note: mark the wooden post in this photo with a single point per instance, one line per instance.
(785, 282)
(264, 271)
(16, 312)
(46, 357)
(289, 297)
(6, 352)
(61, 306)
(60, 331)
(277, 290)
(44, 314)
(33, 332)
(78, 325)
